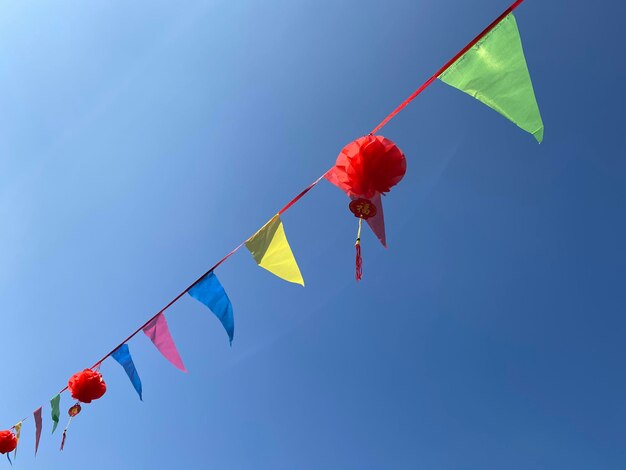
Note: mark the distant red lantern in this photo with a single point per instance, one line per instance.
(87, 385)
(368, 166)
(8, 442)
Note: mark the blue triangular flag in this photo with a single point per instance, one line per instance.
(210, 292)
(122, 355)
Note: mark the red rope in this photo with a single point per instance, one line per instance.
(304, 191)
(445, 67)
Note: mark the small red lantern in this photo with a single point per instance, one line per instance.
(87, 385)
(365, 169)
(8, 442)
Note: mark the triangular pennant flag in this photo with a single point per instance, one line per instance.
(271, 250)
(494, 71)
(377, 223)
(37, 416)
(55, 412)
(210, 292)
(18, 431)
(159, 334)
(123, 357)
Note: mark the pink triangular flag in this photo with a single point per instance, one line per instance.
(377, 223)
(159, 334)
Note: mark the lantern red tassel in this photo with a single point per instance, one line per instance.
(72, 412)
(63, 439)
(8, 442)
(363, 210)
(371, 164)
(359, 260)
(366, 168)
(87, 385)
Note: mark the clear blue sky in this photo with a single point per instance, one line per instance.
(140, 141)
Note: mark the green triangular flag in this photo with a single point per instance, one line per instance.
(494, 71)
(56, 412)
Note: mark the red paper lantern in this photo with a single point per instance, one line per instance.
(87, 385)
(8, 442)
(371, 164)
(366, 168)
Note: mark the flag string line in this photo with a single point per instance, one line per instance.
(312, 185)
(215, 266)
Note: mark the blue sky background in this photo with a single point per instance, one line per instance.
(141, 141)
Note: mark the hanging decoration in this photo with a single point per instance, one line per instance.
(8, 442)
(368, 166)
(72, 412)
(491, 68)
(362, 209)
(87, 386)
(365, 169)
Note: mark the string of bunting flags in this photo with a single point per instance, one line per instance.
(491, 68)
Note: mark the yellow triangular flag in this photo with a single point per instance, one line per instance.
(271, 250)
(18, 431)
